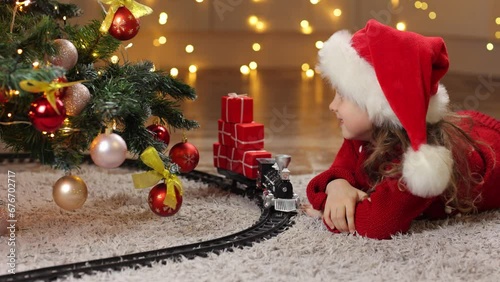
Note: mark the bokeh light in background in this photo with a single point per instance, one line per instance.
(259, 21)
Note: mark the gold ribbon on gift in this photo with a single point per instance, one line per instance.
(150, 178)
(137, 9)
(48, 88)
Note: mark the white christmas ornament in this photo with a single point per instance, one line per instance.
(108, 150)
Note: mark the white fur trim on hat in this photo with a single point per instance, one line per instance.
(438, 105)
(427, 172)
(355, 78)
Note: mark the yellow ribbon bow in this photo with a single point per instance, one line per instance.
(146, 179)
(137, 9)
(48, 88)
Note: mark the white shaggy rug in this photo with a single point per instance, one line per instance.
(116, 220)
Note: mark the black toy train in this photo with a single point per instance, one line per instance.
(273, 179)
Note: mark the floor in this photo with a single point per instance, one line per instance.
(294, 111)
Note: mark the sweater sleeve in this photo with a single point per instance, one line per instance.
(390, 211)
(343, 167)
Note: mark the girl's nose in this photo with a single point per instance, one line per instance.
(334, 104)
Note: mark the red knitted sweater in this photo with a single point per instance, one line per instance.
(392, 210)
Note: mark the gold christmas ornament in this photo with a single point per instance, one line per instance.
(70, 192)
(67, 54)
(76, 98)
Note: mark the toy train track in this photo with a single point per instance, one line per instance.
(270, 224)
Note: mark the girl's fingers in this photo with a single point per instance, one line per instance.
(327, 218)
(339, 219)
(350, 218)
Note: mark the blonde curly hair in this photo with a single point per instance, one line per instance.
(388, 143)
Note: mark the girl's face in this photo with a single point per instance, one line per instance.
(353, 120)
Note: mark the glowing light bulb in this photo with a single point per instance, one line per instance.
(253, 20)
(305, 66)
(490, 46)
(401, 26)
(114, 59)
(424, 6)
(432, 15)
(418, 4)
(304, 24)
(319, 44)
(497, 21)
(244, 69)
(156, 42)
(199, 1)
(163, 18)
(252, 65)
(193, 69)
(189, 48)
(260, 26)
(497, 35)
(337, 12)
(256, 47)
(314, 2)
(174, 72)
(162, 40)
(309, 73)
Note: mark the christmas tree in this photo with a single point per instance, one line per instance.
(61, 94)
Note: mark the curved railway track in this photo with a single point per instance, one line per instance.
(270, 224)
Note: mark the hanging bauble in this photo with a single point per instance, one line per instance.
(185, 155)
(4, 216)
(4, 95)
(160, 133)
(61, 91)
(108, 150)
(156, 198)
(44, 117)
(76, 98)
(66, 54)
(70, 192)
(124, 26)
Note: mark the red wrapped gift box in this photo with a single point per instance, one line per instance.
(245, 162)
(220, 156)
(245, 136)
(237, 108)
(226, 132)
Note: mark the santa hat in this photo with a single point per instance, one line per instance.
(395, 75)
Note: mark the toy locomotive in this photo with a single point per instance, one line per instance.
(273, 179)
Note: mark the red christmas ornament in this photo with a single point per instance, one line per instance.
(4, 95)
(61, 91)
(161, 133)
(185, 155)
(124, 25)
(44, 117)
(156, 197)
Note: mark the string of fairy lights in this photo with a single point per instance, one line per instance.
(259, 25)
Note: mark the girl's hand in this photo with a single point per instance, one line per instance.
(341, 204)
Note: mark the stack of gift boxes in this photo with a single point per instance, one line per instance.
(240, 139)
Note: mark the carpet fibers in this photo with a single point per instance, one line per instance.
(116, 220)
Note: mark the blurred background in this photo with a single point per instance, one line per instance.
(268, 49)
(287, 33)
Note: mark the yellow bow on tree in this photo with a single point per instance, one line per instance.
(150, 178)
(137, 9)
(48, 88)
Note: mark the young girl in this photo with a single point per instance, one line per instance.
(405, 155)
